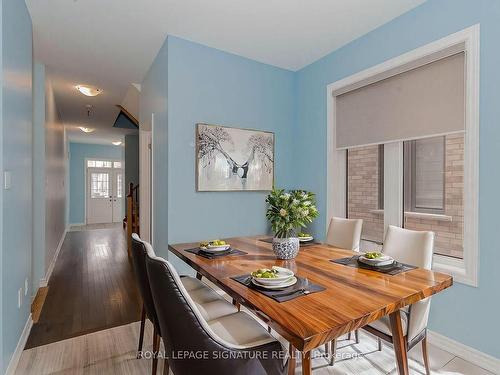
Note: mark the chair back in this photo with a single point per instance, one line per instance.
(409, 246)
(344, 233)
(185, 331)
(415, 248)
(139, 263)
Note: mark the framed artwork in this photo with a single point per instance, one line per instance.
(231, 159)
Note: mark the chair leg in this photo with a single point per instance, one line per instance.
(199, 276)
(141, 333)
(327, 349)
(426, 356)
(356, 336)
(349, 336)
(333, 351)
(156, 349)
(379, 342)
(292, 361)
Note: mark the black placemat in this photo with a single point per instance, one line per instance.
(285, 294)
(301, 244)
(203, 254)
(392, 269)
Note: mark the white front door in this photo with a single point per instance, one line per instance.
(99, 195)
(118, 196)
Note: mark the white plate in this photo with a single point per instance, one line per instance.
(306, 239)
(282, 275)
(215, 249)
(289, 282)
(384, 260)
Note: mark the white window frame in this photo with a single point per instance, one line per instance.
(464, 270)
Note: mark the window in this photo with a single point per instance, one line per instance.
(433, 186)
(424, 175)
(119, 185)
(365, 190)
(99, 185)
(424, 107)
(104, 164)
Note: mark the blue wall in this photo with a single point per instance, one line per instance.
(463, 313)
(208, 85)
(78, 153)
(16, 143)
(38, 264)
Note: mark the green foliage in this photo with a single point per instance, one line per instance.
(289, 211)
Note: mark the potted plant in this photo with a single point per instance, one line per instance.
(287, 212)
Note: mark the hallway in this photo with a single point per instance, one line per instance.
(91, 289)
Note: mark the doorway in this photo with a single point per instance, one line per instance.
(104, 191)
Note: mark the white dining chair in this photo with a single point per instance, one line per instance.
(415, 248)
(344, 233)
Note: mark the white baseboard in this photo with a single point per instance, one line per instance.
(14, 361)
(45, 281)
(471, 355)
(76, 224)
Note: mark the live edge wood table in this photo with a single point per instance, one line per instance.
(353, 297)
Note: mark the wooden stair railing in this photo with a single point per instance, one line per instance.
(132, 218)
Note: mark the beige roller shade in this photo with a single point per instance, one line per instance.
(424, 101)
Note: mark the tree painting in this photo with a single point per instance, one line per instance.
(234, 159)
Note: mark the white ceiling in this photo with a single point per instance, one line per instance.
(111, 44)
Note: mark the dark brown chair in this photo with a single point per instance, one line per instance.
(234, 344)
(148, 307)
(210, 303)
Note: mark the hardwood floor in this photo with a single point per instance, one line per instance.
(92, 288)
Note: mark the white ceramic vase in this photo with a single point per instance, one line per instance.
(286, 248)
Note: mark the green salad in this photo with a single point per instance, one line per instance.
(302, 235)
(373, 255)
(265, 273)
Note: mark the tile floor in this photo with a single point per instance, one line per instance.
(112, 351)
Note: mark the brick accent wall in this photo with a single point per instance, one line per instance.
(362, 190)
(449, 234)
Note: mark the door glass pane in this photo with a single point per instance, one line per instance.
(99, 187)
(91, 163)
(365, 191)
(433, 189)
(117, 164)
(119, 185)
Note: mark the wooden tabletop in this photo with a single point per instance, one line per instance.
(353, 297)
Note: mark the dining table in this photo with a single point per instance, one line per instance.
(352, 297)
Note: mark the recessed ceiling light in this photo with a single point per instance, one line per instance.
(86, 130)
(117, 143)
(88, 91)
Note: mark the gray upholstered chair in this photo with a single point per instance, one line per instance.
(210, 304)
(234, 344)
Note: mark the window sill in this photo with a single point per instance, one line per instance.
(456, 268)
(422, 215)
(377, 212)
